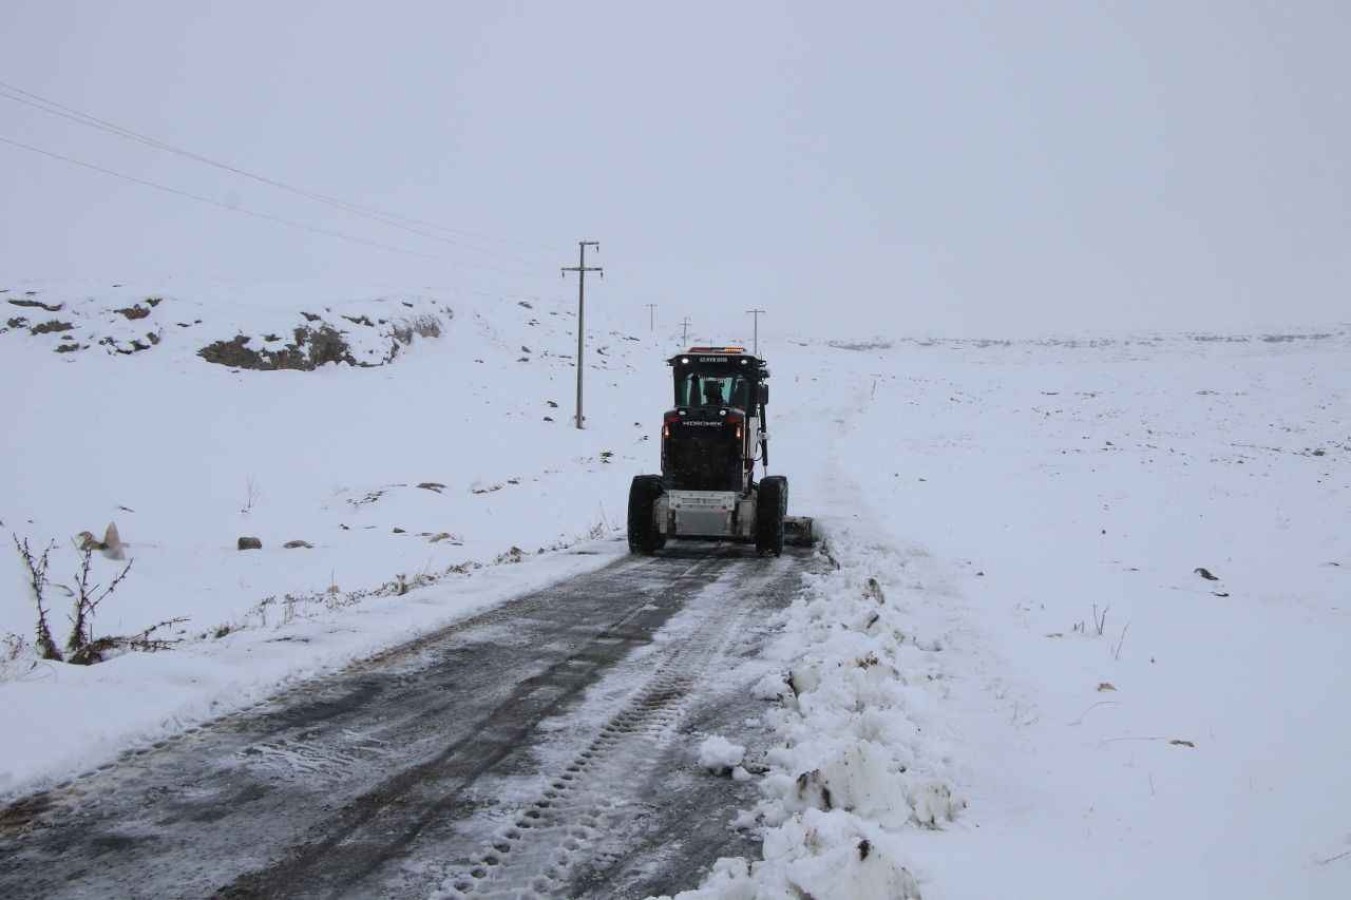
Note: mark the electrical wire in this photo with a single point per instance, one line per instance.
(201, 199)
(414, 226)
(52, 107)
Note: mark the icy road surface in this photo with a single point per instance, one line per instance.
(548, 747)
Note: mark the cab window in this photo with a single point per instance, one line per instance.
(711, 389)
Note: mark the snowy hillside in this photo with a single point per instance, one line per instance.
(1013, 669)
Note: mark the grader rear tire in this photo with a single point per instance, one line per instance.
(644, 537)
(771, 506)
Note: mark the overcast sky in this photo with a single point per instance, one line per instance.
(903, 168)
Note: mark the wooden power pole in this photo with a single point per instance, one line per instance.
(581, 269)
(685, 332)
(651, 317)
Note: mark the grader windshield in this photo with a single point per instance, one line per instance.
(718, 376)
(712, 388)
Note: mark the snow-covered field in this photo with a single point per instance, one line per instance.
(1013, 679)
(1099, 719)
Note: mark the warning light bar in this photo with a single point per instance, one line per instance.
(716, 350)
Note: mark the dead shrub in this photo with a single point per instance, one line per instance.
(82, 647)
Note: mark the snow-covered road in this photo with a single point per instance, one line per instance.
(550, 745)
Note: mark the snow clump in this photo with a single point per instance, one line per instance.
(717, 754)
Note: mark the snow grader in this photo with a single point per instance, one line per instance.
(710, 443)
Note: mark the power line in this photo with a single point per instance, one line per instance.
(414, 226)
(54, 108)
(198, 197)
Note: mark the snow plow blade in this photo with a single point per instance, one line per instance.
(797, 531)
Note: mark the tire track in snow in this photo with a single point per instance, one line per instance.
(586, 811)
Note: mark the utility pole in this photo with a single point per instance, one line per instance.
(581, 269)
(652, 317)
(757, 313)
(685, 332)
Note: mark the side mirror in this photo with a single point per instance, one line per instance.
(764, 394)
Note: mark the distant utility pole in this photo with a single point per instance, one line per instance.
(685, 332)
(757, 313)
(581, 269)
(652, 317)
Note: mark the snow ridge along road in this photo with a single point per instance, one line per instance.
(388, 779)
